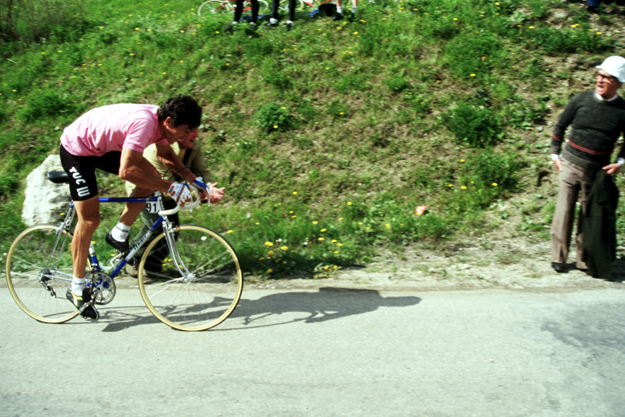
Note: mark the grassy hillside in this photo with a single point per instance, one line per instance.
(326, 137)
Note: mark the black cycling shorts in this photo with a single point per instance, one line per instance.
(81, 170)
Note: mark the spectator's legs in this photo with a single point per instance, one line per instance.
(562, 225)
(255, 8)
(273, 21)
(238, 11)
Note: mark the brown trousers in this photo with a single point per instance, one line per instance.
(573, 179)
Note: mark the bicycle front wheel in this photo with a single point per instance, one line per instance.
(193, 283)
(215, 7)
(39, 272)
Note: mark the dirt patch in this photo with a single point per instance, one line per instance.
(467, 264)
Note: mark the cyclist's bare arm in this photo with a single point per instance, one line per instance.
(137, 170)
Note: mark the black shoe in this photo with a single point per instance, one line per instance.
(119, 246)
(337, 16)
(253, 26)
(83, 303)
(289, 26)
(229, 29)
(558, 267)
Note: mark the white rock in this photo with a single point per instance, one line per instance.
(45, 201)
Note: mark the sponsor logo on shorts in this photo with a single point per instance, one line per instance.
(82, 191)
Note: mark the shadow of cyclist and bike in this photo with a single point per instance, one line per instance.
(278, 309)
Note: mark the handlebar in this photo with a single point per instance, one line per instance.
(194, 202)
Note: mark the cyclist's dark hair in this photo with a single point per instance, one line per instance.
(182, 109)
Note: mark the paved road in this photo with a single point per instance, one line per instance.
(327, 352)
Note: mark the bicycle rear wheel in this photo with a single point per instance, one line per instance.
(39, 272)
(197, 286)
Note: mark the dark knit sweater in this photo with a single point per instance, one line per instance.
(595, 127)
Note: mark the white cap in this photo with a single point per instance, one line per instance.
(615, 66)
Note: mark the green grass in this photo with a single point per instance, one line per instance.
(347, 124)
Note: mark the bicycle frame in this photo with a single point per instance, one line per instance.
(167, 228)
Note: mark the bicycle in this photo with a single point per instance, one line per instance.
(225, 6)
(189, 276)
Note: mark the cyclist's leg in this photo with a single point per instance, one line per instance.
(83, 188)
(88, 214)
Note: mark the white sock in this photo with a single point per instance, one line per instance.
(339, 10)
(235, 23)
(120, 232)
(289, 22)
(354, 9)
(78, 284)
(273, 21)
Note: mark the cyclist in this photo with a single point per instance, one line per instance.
(190, 153)
(112, 138)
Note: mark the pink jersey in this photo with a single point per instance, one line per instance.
(113, 128)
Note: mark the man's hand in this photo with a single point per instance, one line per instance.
(216, 193)
(558, 164)
(181, 193)
(612, 168)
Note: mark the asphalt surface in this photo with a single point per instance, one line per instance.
(327, 352)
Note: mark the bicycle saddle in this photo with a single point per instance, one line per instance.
(58, 177)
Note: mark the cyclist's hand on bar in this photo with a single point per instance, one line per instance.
(181, 193)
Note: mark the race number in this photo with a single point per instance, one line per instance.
(151, 207)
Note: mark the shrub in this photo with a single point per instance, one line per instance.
(351, 82)
(273, 117)
(30, 21)
(45, 104)
(474, 126)
(397, 83)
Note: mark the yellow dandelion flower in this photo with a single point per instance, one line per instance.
(229, 231)
(257, 224)
(339, 244)
(323, 230)
(284, 247)
(315, 222)
(473, 75)
(494, 184)
(275, 126)
(463, 187)
(294, 192)
(349, 203)
(268, 244)
(270, 252)
(269, 271)
(321, 239)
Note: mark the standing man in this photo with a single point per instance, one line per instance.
(190, 153)
(112, 139)
(597, 119)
